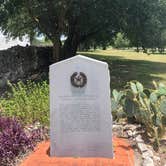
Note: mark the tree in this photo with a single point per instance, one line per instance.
(145, 23)
(100, 40)
(79, 20)
(120, 41)
(83, 21)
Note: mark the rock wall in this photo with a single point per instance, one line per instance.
(20, 62)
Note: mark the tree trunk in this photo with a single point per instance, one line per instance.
(137, 49)
(56, 51)
(70, 47)
(144, 49)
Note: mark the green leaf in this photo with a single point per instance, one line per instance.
(133, 87)
(143, 95)
(162, 91)
(130, 107)
(139, 87)
(121, 94)
(142, 101)
(161, 85)
(153, 97)
(114, 105)
(158, 121)
(163, 106)
(115, 94)
(154, 108)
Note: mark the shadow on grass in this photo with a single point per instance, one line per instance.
(157, 53)
(124, 70)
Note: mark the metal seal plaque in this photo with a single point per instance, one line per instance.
(78, 79)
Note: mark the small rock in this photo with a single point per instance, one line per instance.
(129, 133)
(118, 129)
(134, 133)
(148, 162)
(124, 135)
(156, 158)
(140, 132)
(147, 153)
(142, 147)
(130, 127)
(139, 139)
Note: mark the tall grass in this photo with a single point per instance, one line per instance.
(28, 102)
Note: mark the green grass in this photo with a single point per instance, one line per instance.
(127, 65)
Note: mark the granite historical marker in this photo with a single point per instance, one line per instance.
(80, 108)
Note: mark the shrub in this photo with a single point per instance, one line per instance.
(120, 41)
(145, 106)
(28, 102)
(14, 141)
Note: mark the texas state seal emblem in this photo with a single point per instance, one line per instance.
(78, 79)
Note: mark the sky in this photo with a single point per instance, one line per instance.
(5, 44)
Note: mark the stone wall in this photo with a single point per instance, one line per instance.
(20, 62)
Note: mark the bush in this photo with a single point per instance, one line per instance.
(14, 141)
(120, 41)
(145, 106)
(28, 102)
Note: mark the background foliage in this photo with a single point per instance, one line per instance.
(93, 23)
(28, 102)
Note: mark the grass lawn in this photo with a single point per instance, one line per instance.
(126, 65)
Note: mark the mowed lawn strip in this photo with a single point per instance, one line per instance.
(127, 65)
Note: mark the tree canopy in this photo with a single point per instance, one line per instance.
(146, 23)
(83, 21)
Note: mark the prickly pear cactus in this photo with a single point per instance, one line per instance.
(116, 105)
(146, 106)
(163, 106)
